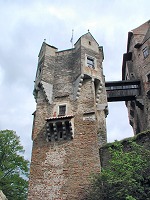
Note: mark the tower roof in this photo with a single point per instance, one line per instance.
(142, 29)
(88, 34)
(43, 46)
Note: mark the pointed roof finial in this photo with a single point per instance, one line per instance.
(88, 30)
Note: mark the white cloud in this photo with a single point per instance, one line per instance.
(25, 24)
(1, 75)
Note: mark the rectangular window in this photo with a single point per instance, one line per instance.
(90, 62)
(62, 110)
(148, 77)
(145, 52)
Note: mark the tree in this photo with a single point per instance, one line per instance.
(13, 167)
(126, 177)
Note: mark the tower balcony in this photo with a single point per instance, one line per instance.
(59, 128)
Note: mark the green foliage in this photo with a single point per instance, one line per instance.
(126, 177)
(130, 198)
(13, 167)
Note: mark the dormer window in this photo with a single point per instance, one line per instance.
(62, 110)
(145, 52)
(90, 62)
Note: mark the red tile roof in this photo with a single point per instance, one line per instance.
(60, 117)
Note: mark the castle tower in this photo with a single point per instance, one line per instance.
(69, 121)
(136, 66)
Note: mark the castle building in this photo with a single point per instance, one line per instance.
(136, 66)
(69, 122)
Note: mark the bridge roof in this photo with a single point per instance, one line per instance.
(124, 82)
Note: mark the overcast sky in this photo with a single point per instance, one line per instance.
(24, 24)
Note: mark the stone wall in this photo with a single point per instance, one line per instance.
(138, 68)
(141, 139)
(61, 170)
(66, 148)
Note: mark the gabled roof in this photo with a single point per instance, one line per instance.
(142, 29)
(51, 46)
(89, 34)
(147, 36)
(44, 44)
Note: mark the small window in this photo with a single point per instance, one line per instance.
(148, 77)
(132, 75)
(62, 110)
(145, 52)
(90, 62)
(60, 134)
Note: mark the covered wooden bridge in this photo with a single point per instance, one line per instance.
(125, 90)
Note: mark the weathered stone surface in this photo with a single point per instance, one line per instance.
(61, 168)
(138, 68)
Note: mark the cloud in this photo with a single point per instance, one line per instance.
(25, 25)
(1, 75)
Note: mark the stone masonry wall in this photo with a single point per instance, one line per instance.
(58, 168)
(141, 139)
(61, 169)
(138, 68)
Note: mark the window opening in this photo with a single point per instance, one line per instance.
(145, 52)
(148, 77)
(90, 62)
(59, 130)
(62, 110)
(60, 134)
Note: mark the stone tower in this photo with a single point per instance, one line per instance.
(69, 121)
(136, 66)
